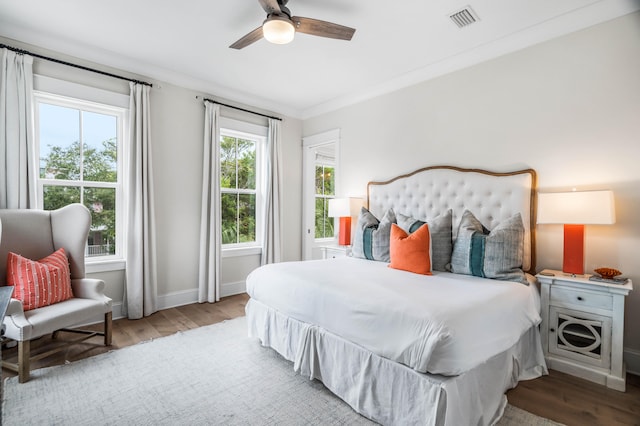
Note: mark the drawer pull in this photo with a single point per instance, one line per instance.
(580, 298)
(553, 330)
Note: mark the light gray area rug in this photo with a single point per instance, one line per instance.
(209, 375)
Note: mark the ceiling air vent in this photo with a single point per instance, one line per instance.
(464, 18)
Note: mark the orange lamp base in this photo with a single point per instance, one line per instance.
(344, 237)
(573, 262)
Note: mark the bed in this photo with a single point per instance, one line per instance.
(437, 347)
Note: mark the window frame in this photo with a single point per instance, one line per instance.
(258, 134)
(316, 196)
(50, 94)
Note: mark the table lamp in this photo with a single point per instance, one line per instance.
(344, 208)
(574, 210)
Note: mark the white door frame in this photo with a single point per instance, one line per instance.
(309, 145)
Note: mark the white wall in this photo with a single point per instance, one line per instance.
(568, 108)
(177, 133)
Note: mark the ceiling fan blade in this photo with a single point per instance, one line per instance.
(270, 6)
(248, 39)
(322, 28)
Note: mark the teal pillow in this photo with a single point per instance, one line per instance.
(494, 254)
(372, 236)
(440, 230)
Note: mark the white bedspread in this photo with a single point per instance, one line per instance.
(441, 324)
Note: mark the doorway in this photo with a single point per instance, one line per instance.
(320, 180)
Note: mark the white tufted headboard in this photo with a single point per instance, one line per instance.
(491, 197)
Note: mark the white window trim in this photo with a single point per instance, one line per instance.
(241, 251)
(105, 265)
(244, 130)
(68, 89)
(60, 92)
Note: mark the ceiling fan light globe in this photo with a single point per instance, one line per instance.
(278, 30)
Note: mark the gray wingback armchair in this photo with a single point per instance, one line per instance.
(35, 234)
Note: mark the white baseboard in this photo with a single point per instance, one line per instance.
(185, 297)
(230, 289)
(181, 298)
(632, 359)
(116, 310)
(177, 298)
(116, 313)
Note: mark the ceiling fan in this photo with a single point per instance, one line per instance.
(280, 26)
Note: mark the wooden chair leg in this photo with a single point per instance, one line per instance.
(107, 328)
(24, 354)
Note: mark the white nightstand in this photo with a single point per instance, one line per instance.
(331, 252)
(582, 327)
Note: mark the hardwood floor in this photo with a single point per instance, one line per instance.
(573, 401)
(559, 397)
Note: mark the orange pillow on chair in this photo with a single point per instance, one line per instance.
(39, 283)
(411, 252)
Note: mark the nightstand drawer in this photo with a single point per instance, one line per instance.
(331, 252)
(562, 296)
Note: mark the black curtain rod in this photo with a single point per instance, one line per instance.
(241, 109)
(58, 61)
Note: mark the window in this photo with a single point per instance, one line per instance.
(325, 190)
(79, 146)
(240, 187)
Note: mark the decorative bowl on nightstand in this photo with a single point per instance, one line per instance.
(607, 273)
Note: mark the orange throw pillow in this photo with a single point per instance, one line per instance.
(39, 283)
(411, 252)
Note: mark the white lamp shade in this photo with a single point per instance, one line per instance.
(278, 30)
(577, 208)
(343, 207)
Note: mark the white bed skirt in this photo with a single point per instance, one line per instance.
(391, 393)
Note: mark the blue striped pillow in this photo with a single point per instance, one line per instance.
(372, 236)
(494, 254)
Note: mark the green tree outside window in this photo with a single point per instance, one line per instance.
(75, 172)
(325, 190)
(238, 184)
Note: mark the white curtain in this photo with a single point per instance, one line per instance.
(272, 246)
(141, 292)
(17, 160)
(210, 219)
